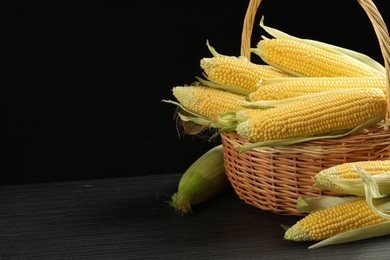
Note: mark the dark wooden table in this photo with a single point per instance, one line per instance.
(128, 218)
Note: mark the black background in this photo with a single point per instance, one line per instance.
(83, 83)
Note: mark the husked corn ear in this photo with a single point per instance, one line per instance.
(325, 223)
(239, 72)
(320, 115)
(207, 101)
(324, 178)
(303, 86)
(302, 59)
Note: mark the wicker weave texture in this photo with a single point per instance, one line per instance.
(273, 178)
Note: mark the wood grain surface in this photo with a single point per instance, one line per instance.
(128, 218)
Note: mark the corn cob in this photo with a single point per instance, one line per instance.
(325, 223)
(326, 113)
(344, 178)
(275, 89)
(206, 101)
(202, 181)
(238, 71)
(303, 57)
(235, 74)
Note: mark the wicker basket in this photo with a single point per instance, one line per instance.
(273, 178)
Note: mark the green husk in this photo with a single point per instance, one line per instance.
(214, 84)
(310, 204)
(217, 54)
(357, 187)
(373, 195)
(193, 117)
(228, 120)
(202, 181)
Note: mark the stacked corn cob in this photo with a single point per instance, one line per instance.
(227, 83)
(363, 213)
(307, 90)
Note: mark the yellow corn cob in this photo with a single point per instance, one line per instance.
(325, 178)
(329, 113)
(238, 72)
(302, 59)
(325, 223)
(207, 101)
(298, 86)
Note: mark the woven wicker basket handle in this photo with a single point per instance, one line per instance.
(247, 27)
(384, 43)
(372, 13)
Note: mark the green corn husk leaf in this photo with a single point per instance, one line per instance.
(310, 204)
(212, 50)
(202, 181)
(357, 186)
(193, 123)
(372, 193)
(217, 54)
(230, 119)
(351, 54)
(193, 117)
(214, 84)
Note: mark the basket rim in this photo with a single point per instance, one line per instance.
(378, 136)
(273, 178)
